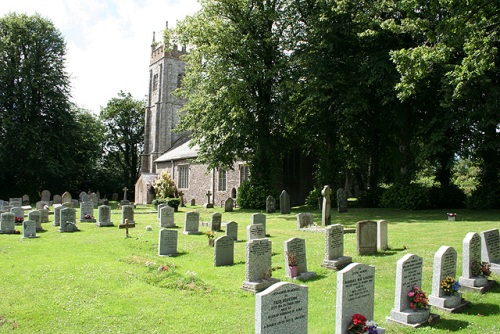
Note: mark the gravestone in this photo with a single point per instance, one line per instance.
(223, 251)
(192, 223)
(284, 203)
(355, 294)
(44, 215)
(158, 208)
(193, 202)
(7, 223)
(84, 197)
(445, 264)
(366, 237)
(326, 208)
(229, 205)
(304, 220)
(232, 230)
(16, 202)
(45, 196)
(490, 249)
(104, 216)
(57, 199)
(382, 240)
(114, 197)
(471, 254)
(87, 211)
(334, 248)
(215, 222)
(255, 231)
(270, 204)
(258, 266)
(209, 203)
(408, 275)
(167, 243)
(341, 200)
(36, 216)
(126, 225)
(66, 197)
(128, 213)
(297, 248)
(282, 308)
(94, 199)
(167, 216)
(125, 201)
(259, 218)
(40, 205)
(57, 215)
(29, 229)
(19, 213)
(80, 196)
(25, 199)
(67, 220)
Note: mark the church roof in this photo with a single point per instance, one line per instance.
(180, 152)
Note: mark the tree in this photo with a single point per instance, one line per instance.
(36, 125)
(123, 119)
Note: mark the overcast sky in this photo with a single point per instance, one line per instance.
(108, 41)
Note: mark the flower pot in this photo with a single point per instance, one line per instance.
(453, 300)
(211, 242)
(480, 281)
(294, 271)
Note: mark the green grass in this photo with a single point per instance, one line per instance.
(98, 281)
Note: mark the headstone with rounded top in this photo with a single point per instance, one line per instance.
(284, 203)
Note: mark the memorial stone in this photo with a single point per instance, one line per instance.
(29, 229)
(490, 249)
(36, 216)
(270, 204)
(341, 200)
(67, 220)
(45, 196)
(87, 211)
(192, 223)
(215, 221)
(66, 197)
(232, 230)
(282, 308)
(259, 218)
(19, 213)
(57, 199)
(284, 203)
(7, 223)
(25, 199)
(167, 243)
(94, 199)
(223, 251)
(229, 205)
(114, 197)
(44, 215)
(366, 237)
(326, 208)
(57, 215)
(382, 242)
(255, 231)
(296, 247)
(258, 265)
(471, 254)
(80, 196)
(158, 208)
(167, 216)
(104, 216)
(128, 213)
(334, 248)
(16, 202)
(40, 205)
(304, 220)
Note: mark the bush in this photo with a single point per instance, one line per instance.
(253, 196)
(407, 197)
(172, 202)
(164, 186)
(370, 198)
(451, 197)
(484, 198)
(314, 199)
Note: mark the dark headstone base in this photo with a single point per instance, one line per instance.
(259, 286)
(208, 206)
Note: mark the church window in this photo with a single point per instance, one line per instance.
(155, 82)
(222, 179)
(183, 182)
(180, 78)
(244, 173)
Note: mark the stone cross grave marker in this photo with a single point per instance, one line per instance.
(304, 220)
(382, 242)
(104, 216)
(258, 266)
(282, 308)
(232, 230)
(215, 221)
(167, 216)
(192, 223)
(223, 251)
(259, 218)
(255, 231)
(326, 208)
(334, 248)
(490, 249)
(126, 225)
(229, 205)
(209, 203)
(366, 237)
(270, 204)
(284, 203)
(341, 200)
(167, 243)
(125, 193)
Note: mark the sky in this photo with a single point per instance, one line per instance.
(108, 41)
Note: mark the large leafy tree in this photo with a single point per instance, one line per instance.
(123, 119)
(36, 124)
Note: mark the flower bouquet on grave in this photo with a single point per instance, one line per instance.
(450, 286)
(451, 216)
(418, 299)
(361, 325)
(480, 268)
(19, 220)
(292, 264)
(211, 236)
(88, 216)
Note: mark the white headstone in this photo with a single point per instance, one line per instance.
(167, 216)
(445, 264)
(104, 216)
(29, 229)
(255, 231)
(259, 218)
(490, 249)
(382, 241)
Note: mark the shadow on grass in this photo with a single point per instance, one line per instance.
(482, 309)
(450, 325)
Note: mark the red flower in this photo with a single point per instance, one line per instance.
(358, 319)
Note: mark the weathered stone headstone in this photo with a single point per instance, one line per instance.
(128, 213)
(29, 229)
(229, 205)
(87, 211)
(282, 308)
(284, 203)
(57, 199)
(382, 240)
(192, 223)
(158, 208)
(490, 249)
(215, 222)
(471, 255)
(94, 199)
(16, 202)
(193, 202)
(270, 204)
(258, 266)
(40, 205)
(296, 247)
(167, 216)
(7, 223)
(232, 230)
(45, 196)
(114, 197)
(341, 200)
(334, 248)
(259, 218)
(355, 294)
(57, 215)
(366, 237)
(445, 264)
(167, 243)
(25, 199)
(223, 251)
(36, 216)
(408, 275)
(19, 213)
(104, 216)
(66, 197)
(67, 220)
(326, 208)
(44, 215)
(209, 203)
(304, 220)
(255, 231)
(125, 201)
(80, 196)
